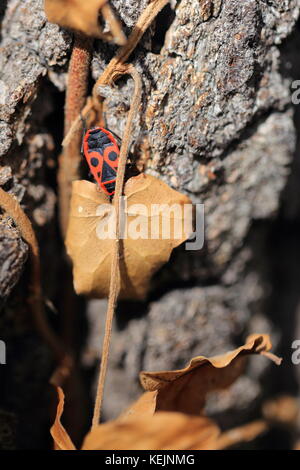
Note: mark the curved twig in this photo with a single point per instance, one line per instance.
(114, 287)
(118, 60)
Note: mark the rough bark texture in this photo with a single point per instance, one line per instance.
(218, 124)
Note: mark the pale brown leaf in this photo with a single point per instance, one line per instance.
(283, 410)
(83, 16)
(164, 416)
(61, 438)
(185, 390)
(141, 257)
(246, 433)
(163, 431)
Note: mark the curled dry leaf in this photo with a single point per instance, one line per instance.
(157, 421)
(61, 438)
(163, 431)
(83, 16)
(90, 235)
(185, 390)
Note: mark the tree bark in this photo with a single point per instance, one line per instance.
(218, 125)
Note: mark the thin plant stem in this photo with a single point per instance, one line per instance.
(114, 287)
(76, 93)
(142, 24)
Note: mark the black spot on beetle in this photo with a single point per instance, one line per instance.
(112, 156)
(94, 161)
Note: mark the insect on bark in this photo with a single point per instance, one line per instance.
(101, 151)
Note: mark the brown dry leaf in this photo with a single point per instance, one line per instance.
(61, 438)
(185, 390)
(145, 405)
(83, 16)
(246, 433)
(163, 431)
(162, 417)
(90, 213)
(283, 410)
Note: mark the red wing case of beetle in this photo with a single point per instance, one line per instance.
(102, 154)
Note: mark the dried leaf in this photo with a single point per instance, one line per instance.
(144, 405)
(163, 431)
(283, 410)
(141, 257)
(61, 438)
(156, 421)
(83, 16)
(185, 390)
(246, 433)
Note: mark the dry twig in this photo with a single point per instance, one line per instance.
(75, 98)
(122, 55)
(115, 272)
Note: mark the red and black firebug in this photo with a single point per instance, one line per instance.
(101, 151)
